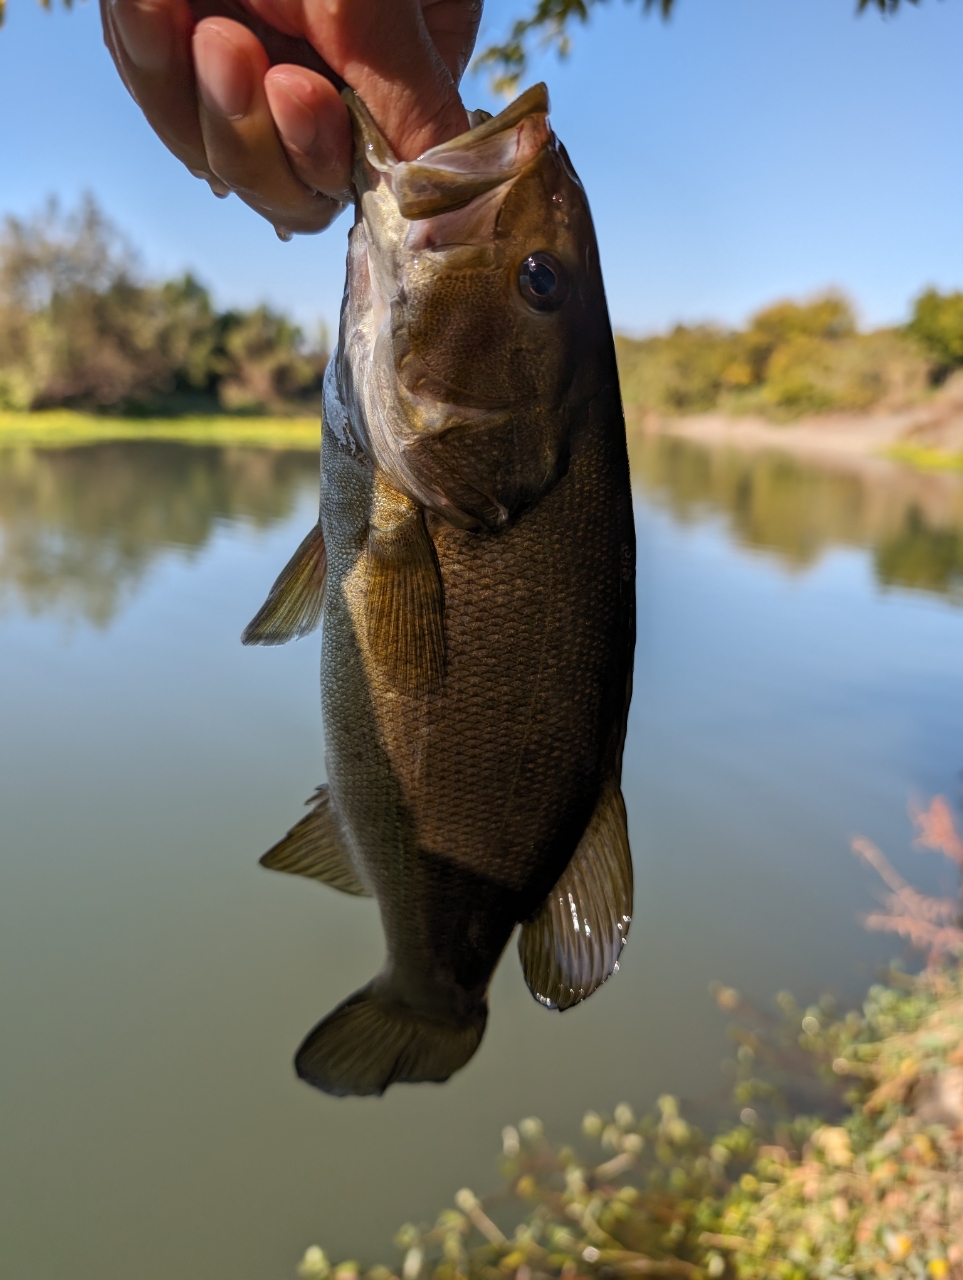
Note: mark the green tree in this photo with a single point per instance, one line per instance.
(937, 325)
(81, 327)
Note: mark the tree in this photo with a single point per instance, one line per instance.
(81, 328)
(937, 325)
(551, 22)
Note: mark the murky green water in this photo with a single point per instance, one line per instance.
(799, 673)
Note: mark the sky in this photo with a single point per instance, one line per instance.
(742, 152)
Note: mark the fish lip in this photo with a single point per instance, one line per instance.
(451, 175)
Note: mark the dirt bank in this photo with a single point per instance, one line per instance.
(929, 433)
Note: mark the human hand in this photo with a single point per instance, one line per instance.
(279, 135)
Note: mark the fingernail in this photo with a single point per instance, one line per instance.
(295, 120)
(223, 79)
(145, 33)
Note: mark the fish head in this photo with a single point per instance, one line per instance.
(475, 329)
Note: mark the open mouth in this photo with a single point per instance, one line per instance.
(449, 177)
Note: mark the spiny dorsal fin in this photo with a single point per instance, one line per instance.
(293, 606)
(404, 605)
(312, 848)
(572, 943)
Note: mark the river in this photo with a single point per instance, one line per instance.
(799, 677)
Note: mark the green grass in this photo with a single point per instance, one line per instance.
(925, 457)
(63, 428)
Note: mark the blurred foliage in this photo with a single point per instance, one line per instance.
(798, 510)
(80, 528)
(868, 1183)
(63, 428)
(79, 328)
(921, 557)
(792, 358)
(937, 325)
(550, 23)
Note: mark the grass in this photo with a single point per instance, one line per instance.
(63, 428)
(925, 457)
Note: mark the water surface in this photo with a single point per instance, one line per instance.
(799, 674)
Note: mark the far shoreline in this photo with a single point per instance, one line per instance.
(65, 429)
(927, 436)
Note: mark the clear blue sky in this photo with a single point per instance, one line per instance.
(744, 151)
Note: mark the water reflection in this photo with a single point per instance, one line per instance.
(911, 521)
(79, 528)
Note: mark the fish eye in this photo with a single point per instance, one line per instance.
(542, 282)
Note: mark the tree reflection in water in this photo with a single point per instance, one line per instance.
(80, 528)
(911, 521)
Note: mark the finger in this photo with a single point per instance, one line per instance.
(242, 145)
(150, 42)
(385, 53)
(453, 26)
(312, 123)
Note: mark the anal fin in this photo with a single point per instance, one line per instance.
(404, 605)
(573, 942)
(293, 606)
(312, 848)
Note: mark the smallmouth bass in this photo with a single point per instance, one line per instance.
(474, 563)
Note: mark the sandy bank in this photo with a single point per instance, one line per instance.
(926, 434)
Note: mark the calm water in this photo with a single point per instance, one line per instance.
(799, 674)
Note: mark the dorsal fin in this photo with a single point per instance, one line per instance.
(572, 943)
(293, 606)
(313, 848)
(403, 605)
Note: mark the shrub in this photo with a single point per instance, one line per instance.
(683, 372)
(937, 325)
(80, 328)
(792, 358)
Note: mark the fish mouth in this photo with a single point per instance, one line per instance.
(449, 177)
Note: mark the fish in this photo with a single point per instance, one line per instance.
(473, 570)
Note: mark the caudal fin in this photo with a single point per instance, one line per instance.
(371, 1041)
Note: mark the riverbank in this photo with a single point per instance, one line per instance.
(928, 435)
(63, 428)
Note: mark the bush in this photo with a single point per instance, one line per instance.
(792, 358)
(685, 371)
(80, 328)
(937, 325)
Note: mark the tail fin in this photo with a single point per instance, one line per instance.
(370, 1041)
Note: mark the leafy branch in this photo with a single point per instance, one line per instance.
(550, 25)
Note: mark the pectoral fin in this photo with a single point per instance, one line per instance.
(404, 606)
(293, 606)
(313, 848)
(572, 943)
